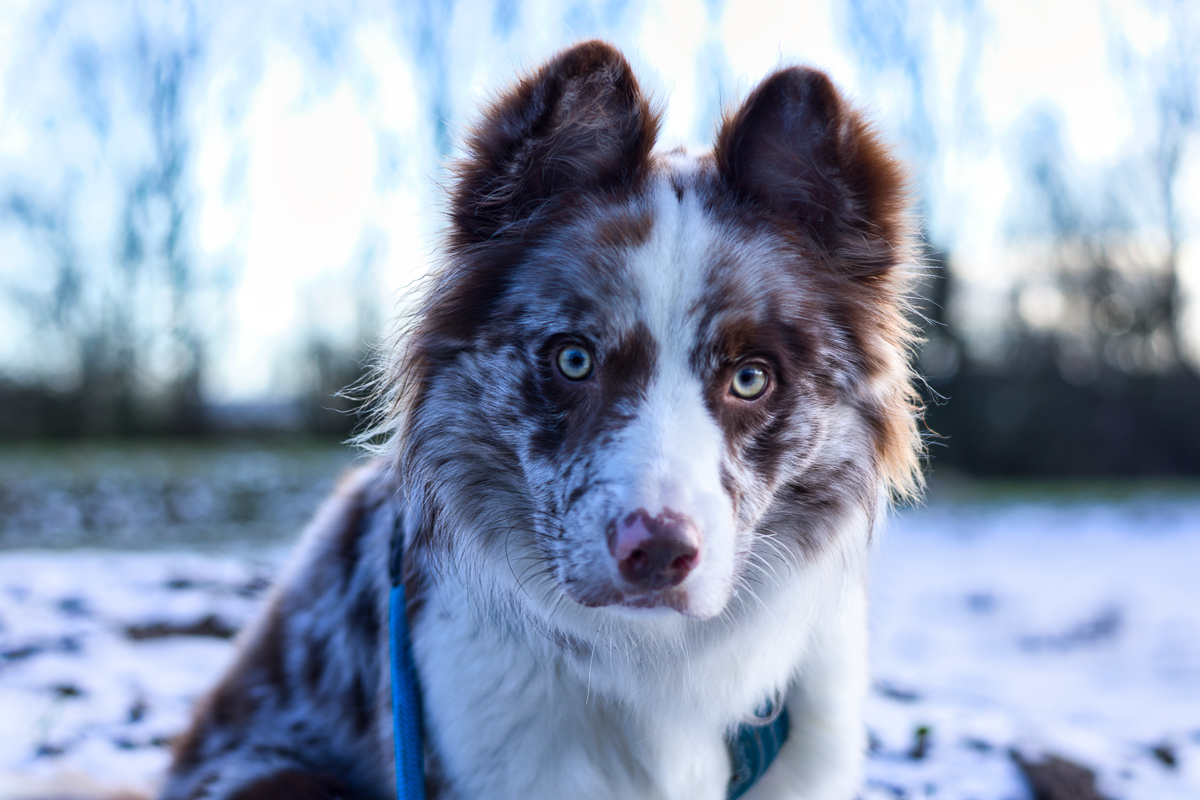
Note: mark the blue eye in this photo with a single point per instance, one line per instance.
(749, 382)
(574, 362)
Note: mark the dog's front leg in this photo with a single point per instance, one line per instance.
(823, 755)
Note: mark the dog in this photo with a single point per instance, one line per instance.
(634, 446)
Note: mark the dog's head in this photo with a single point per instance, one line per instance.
(639, 375)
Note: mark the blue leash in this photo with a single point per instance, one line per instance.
(752, 747)
(406, 696)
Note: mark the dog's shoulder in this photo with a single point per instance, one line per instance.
(306, 694)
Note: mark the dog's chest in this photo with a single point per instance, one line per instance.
(511, 720)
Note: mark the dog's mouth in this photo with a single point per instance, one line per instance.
(673, 598)
(655, 562)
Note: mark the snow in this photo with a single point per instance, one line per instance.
(89, 700)
(1042, 626)
(1071, 629)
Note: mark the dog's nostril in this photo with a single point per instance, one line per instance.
(655, 552)
(659, 563)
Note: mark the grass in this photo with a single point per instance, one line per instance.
(213, 493)
(947, 486)
(152, 493)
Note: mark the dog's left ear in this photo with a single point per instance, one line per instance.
(798, 148)
(799, 151)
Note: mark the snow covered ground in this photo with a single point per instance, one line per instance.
(1044, 626)
(1069, 629)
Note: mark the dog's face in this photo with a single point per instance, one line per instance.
(640, 375)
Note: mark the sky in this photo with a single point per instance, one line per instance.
(316, 135)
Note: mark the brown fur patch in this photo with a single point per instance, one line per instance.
(294, 785)
(625, 229)
(628, 369)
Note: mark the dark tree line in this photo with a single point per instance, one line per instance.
(1092, 374)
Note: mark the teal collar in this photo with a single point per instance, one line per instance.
(752, 747)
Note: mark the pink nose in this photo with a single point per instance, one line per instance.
(655, 552)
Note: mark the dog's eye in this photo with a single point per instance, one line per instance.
(749, 382)
(574, 362)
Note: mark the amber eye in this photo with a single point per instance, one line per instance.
(574, 362)
(749, 382)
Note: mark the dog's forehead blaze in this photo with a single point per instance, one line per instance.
(659, 258)
(669, 250)
(660, 270)
(629, 279)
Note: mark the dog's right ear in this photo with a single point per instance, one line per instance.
(579, 122)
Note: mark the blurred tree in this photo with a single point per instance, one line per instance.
(1094, 378)
(429, 42)
(339, 368)
(1172, 72)
(1107, 295)
(897, 46)
(1089, 375)
(128, 319)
